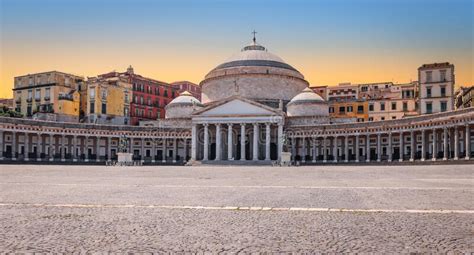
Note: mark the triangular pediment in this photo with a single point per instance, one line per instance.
(237, 106)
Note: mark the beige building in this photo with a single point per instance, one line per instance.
(397, 101)
(49, 96)
(108, 101)
(436, 87)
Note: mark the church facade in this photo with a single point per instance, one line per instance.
(254, 107)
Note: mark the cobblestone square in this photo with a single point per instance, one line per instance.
(371, 209)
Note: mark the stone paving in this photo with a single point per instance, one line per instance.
(106, 209)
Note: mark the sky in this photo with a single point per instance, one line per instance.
(328, 41)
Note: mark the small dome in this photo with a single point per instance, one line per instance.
(307, 95)
(185, 98)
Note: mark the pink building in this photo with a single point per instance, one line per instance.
(192, 88)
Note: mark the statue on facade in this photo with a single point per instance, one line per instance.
(123, 144)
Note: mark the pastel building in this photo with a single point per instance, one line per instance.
(436, 88)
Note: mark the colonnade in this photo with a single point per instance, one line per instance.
(450, 142)
(227, 138)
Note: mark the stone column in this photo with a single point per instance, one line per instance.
(293, 149)
(267, 141)
(303, 149)
(52, 147)
(255, 141)
(445, 143)
(27, 146)
(39, 147)
(230, 142)
(389, 149)
(325, 154)
(280, 141)
(314, 150)
(142, 149)
(346, 148)
(467, 142)
(402, 144)
(109, 148)
(2, 145)
(153, 147)
(175, 150)
(367, 150)
(413, 146)
(218, 142)
(357, 141)
(242, 141)
(435, 148)
(206, 142)
(14, 145)
(194, 142)
(334, 150)
(186, 148)
(86, 148)
(74, 148)
(165, 148)
(379, 148)
(131, 146)
(97, 149)
(423, 145)
(456, 143)
(63, 148)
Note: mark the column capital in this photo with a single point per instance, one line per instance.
(230, 124)
(217, 124)
(205, 124)
(242, 124)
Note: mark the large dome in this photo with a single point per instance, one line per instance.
(253, 73)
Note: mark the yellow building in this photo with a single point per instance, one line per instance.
(108, 101)
(356, 110)
(49, 96)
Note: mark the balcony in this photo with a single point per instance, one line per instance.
(18, 100)
(47, 98)
(29, 100)
(37, 99)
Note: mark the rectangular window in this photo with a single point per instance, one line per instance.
(30, 94)
(92, 106)
(405, 106)
(444, 106)
(429, 108)
(104, 108)
(394, 118)
(92, 93)
(442, 75)
(382, 106)
(371, 119)
(342, 109)
(429, 76)
(382, 118)
(428, 92)
(371, 107)
(47, 93)
(360, 109)
(349, 108)
(38, 94)
(443, 91)
(394, 106)
(331, 109)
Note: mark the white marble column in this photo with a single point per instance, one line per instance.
(303, 149)
(74, 148)
(401, 145)
(346, 148)
(334, 149)
(142, 149)
(445, 143)
(97, 149)
(367, 150)
(456, 143)
(357, 141)
(423, 145)
(165, 148)
(218, 142)
(413, 146)
(293, 148)
(153, 146)
(325, 153)
(52, 147)
(379, 148)
(14, 145)
(280, 140)
(267, 141)
(206, 142)
(86, 148)
(435, 147)
(109, 148)
(242, 141)
(255, 142)
(39, 147)
(27, 146)
(467, 143)
(230, 142)
(175, 150)
(314, 150)
(194, 142)
(390, 149)
(63, 148)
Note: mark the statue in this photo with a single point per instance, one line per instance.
(123, 144)
(285, 143)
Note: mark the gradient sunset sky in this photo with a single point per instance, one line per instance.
(329, 41)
